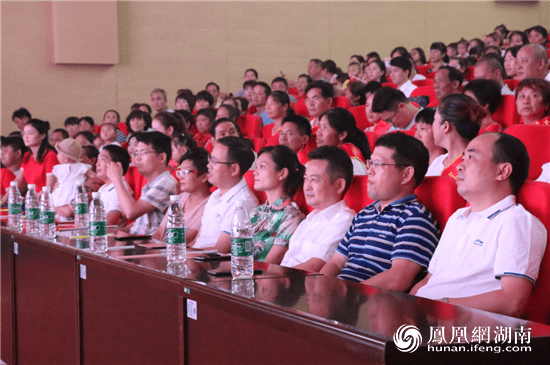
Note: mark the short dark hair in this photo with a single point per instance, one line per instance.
(453, 74)
(266, 87)
(189, 98)
(42, 127)
(284, 157)
(422, 55)
(71, 121)
(454, 46)
(487, 92)
(217, 122)
(63, 132)
(184, 140)
(508, 148)
(91, 151)
(114, 111)
(199, 157)
(210, 113)
(341, 120)
(401, 50)
(231, 111)
(425, 116)
(249, 83)
(86, 134)
(539, 85)
(168, 120)
(403, 63)
(21, 113)
(463, 113)
(339, 165)
(388, 99)
(279, 79)
(372, 87)
(16, 143)
(327, 91)
(212, 83)
(160, 142)
(302, 124)
(407, 151)
(118, 154)
(330, 66)
(357, 88)
(205, 95)
(88, 120)
(524, 39)
(136, 113)
(539, 29)
(239, 152)
(317, 61)
(253, 70)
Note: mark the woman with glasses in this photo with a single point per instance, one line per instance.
(279, 174)
(193, 177)
(42, 156)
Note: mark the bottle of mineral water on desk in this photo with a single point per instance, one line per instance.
(175, 231)
(47, 214)
(14, 208)
(81, 206)
(32, 211)
(242, 254)
(98, 225)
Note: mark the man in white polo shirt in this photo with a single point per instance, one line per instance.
(326, 181)
(490, 252)
(231, 157)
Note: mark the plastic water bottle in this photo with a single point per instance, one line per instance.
(80, 206)
(243, 287)
(14, 208)
(175, 231)
(242, 253)
(32, 211)
(98, 225)
(47, 214)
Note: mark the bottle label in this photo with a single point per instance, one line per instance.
(81, 208)
(241, 246)
(32, 214)
(47, 217)
(98, 228)
(14, 208)
(175, 235)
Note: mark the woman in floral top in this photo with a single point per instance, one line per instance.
(279, 175)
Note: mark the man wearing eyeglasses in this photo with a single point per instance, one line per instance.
(395, 109)
(231, 157)
(392, 239)
(151, 157)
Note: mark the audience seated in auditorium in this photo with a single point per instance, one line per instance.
(400, 73)
(181, 143)
(376, 71)
(319, 98)
(391, 240)
(72, 126)
(195, 191)
(185, 101)
(327, 178)
(249, 75)
(13, 150)
(355, 71)
(490, 252)
(138, 121)
(395, 109)
(151, 158)
(281, 84)
(488, 94)
(213, 89)
(315, 69)
(330, 71)
(204, 100)
(20, 117)
(489, 68)
(158, 101)
(58, 135)
(222, 127)
(113, 117)
(438, 56)
(204, 120)
(277, 107)
(510, 61)
(295, 134)
(424, 133)
(355, 92)
(418, 56)
(231, 157)
(447, 81)
(279, 174)
(456, 122)
(532, 62)
(301, 84)
(337, 128)
(85, 138)
(537, 35)
(259, 99)
(108, 134)
(533, 101)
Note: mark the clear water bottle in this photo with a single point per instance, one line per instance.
(14, 208)
(175, 231)
(47, 214)
(98, 225)
(81, 206)
(243, 287)
(177, 269)
(242, 253)
(32, 211)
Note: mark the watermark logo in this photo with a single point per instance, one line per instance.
(407, 338)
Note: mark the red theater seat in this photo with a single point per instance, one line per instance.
(439, 195)
(356, 198)
(506, 114)
(300, 200)
(423, 70)
(512, 83)
(537, 141)
(360, 116)
(251, 126)
(341, 102)
(426, 82)
(301, 109)
(535, 197)
(249, 178)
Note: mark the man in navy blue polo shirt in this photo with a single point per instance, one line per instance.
(390, 240)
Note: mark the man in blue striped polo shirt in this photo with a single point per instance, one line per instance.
(390, 240)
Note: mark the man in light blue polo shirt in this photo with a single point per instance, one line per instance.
(390, 240)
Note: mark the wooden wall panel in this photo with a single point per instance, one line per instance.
(186, 44)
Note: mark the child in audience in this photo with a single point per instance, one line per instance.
(181, 143)
(424, 132)
(98, 142)
(138, 121)
(167, 123)
(58, 135)
(205, 118)
(72, 126)
(135, 180)
(85, 138)
(108, 134)
(112, 117)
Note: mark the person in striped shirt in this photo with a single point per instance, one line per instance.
(392, 239)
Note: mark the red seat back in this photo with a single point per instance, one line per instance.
(251, 126)
(423, 70)
(341, 102)
(535, 197)
(259, 143)
(507, 114)
(357, 198)
(426, 82)
(512, 83)
(372, 137)
(251, 110)
(424, 91)
(439, 195)
(301, 109)
(300, 200)
(293, 91)
(536, 139)
(469, 73)
(360, 115)
(249, 178)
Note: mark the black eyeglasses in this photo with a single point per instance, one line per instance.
(213, 161)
